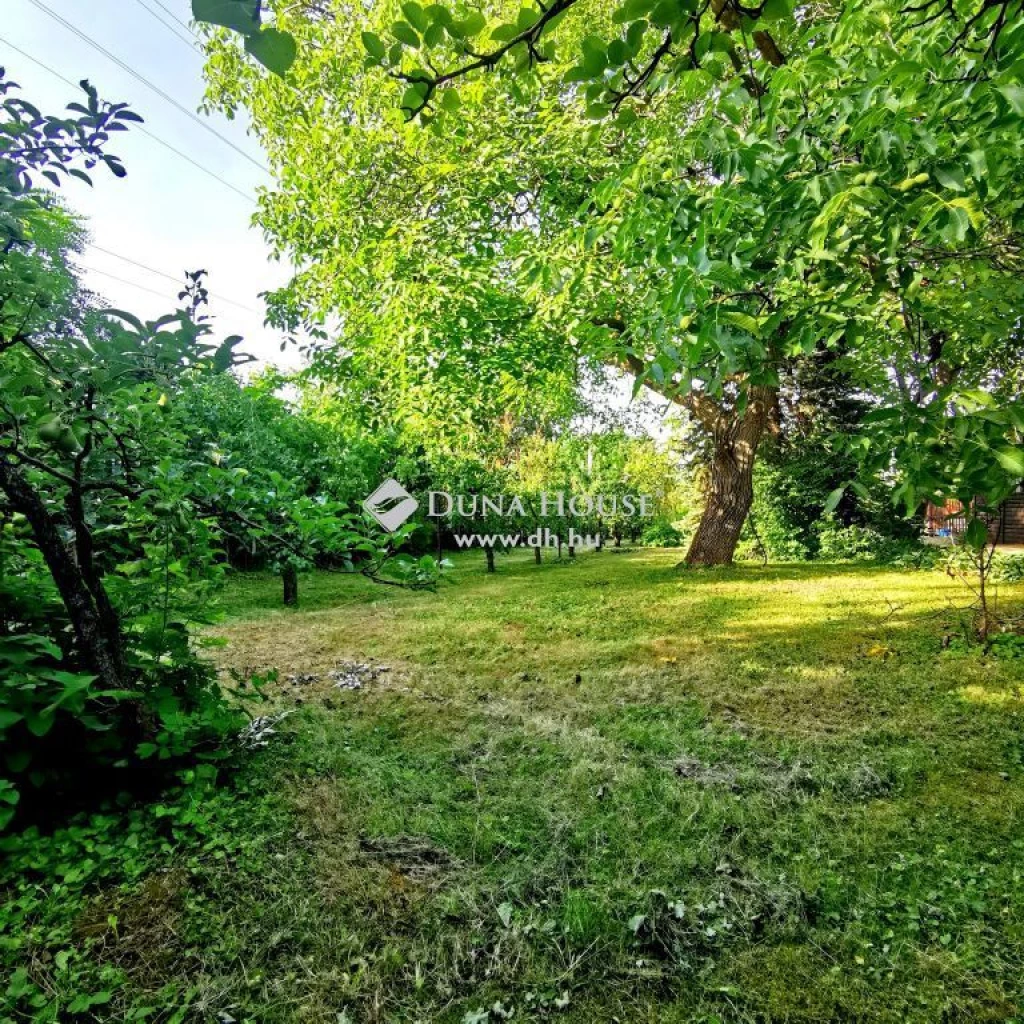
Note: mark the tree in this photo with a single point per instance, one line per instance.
(285, 486)
(956, 445)
(112, 516)
(44, 388)
(709, 192)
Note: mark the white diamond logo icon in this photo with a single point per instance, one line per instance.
(391, 505)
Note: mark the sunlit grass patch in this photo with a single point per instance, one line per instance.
(609, 789)
(996, 697)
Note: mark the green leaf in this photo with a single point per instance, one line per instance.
(527, 18)
(776, 10)
(744, 321)
(412, 98)
(450, 99)
(632, 9)
(434, 35)
(666, 13)
(1014, 95)
(130, 318)
(618, 53)
(965, 204)
(471, 25)
(39, 723)
(439, 14)
(505, 33)
(951, 177)
(595, 58)
(275, 50)
(1012, 460)
(976, 534)
(17, 761)
(832, 501)
(374, 45)
(405, 33)
(8, 718)
(416, 16)
(239, 15)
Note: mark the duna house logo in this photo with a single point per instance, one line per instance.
(391, 505)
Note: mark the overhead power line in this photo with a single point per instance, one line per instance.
(140, 128)
(123, 280)
(107, 252)
(142, 287)
(174, 17)
(170, 277)
(188, 40)
(145, 81)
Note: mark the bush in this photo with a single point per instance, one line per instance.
(768, 534)
(661, 534)
(1007, 645)
(1008, 568)
(838, 543)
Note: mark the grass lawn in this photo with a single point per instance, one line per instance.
(583, 792)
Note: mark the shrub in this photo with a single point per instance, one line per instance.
(768, 534)
(1008, 568)
(661, 534)
(838, 543)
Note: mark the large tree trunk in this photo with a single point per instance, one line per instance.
(736, 433)
(96, 626)
(730, 492)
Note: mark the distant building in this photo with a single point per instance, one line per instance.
(1004, 527)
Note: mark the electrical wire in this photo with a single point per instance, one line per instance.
(126, 259)
(169, 277)
(173, 16)
(152, 291)
(123, 280)
(141, 128)
(145, 81)
(189, 41)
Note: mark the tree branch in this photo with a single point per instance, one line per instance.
(529, 36)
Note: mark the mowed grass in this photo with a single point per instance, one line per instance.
(606, 791)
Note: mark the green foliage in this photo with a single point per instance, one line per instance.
(274, 49)
(837, 201)
(1009, 568)
(86, 419)
(36, 690)
(285, 479)
(1007, 645)
(116, 502)
(136, 851)
(661, 534)
(839, 543)
(960, 445)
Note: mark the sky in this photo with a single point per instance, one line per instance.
(167, 214)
